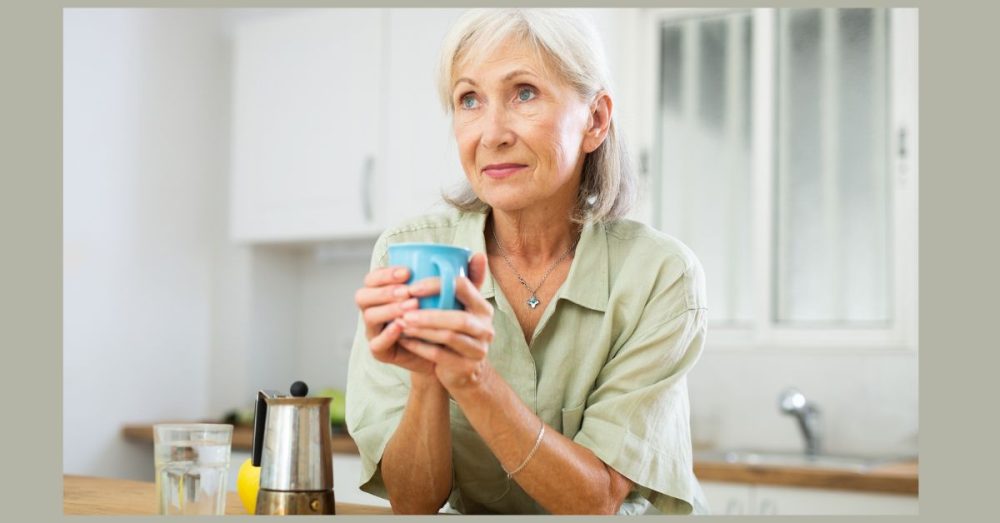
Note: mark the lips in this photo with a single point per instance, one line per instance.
(502, 170)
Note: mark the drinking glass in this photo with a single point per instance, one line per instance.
(192, 462)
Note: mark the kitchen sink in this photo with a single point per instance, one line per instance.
(768, 458)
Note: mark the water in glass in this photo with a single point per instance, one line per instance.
(191, 476)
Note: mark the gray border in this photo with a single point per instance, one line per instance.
(956, 205)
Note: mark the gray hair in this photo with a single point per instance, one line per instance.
(570, 43)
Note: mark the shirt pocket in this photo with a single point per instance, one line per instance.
(571, 420)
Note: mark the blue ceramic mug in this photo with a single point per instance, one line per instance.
(426, 260)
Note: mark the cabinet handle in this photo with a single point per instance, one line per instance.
(734, 507)
(768, 507)
(902, 143)
(366, 187)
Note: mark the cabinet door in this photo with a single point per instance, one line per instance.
(727, 498)
(422, 158)
(795, 500)
(346, 476)
(306, 109)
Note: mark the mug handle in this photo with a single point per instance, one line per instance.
(447, 296)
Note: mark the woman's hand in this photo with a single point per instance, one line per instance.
(383, 300)
(455, 341)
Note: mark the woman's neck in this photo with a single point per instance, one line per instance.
(535, 236)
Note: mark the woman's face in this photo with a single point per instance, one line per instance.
(520, 130)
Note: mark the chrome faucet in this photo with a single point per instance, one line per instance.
(794, 403)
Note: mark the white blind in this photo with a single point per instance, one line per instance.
(831, 247)
(833, 211)
(705, 153)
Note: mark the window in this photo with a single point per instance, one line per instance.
(832, 207)
(705, 152)
(781, 157)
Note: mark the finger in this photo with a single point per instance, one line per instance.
(386, 276)
(381, 344)
(378, 315)
(369, 296)
(477, 269)
(428, 351)
(425, 287)
(469, 295)
(460, 343)
(460, 321)
(433, 352)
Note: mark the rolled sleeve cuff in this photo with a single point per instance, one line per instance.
(371, 441)
(666, 481)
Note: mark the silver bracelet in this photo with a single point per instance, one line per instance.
(538, 443)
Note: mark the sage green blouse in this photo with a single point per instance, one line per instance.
(606, 367)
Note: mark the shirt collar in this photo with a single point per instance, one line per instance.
(587, 282)
(470, 234)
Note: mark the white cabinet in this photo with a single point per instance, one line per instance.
(346, 473)
(727, 498)
(422, 159)
(337, 128)
(741, 498)
(795, 500)
(307, 98)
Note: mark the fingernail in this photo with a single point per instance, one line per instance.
(410, 316)
(400, 323)
(400, 292)
(411, 304)
(399, 273)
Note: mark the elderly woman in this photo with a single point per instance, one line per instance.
(560, 388)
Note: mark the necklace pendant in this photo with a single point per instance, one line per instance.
(533, 301)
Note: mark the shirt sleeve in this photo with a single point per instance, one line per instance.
(376, 398)
(637, 418)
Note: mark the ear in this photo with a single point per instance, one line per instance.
(599, 122)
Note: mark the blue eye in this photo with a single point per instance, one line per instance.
(525, 94)
(468, 101)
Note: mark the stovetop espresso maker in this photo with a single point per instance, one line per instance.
(291, 445)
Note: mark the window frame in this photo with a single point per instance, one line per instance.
(903, 169)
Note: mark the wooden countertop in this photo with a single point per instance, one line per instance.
(92, 496)
(341, 442)
(898, 478)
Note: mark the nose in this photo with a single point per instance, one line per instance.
(496, 128)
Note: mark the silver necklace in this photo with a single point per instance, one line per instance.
(533, 301)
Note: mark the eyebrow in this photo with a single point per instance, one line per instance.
(506, 77)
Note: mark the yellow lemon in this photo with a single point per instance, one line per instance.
(247, 485)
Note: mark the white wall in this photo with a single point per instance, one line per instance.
(868, 399)
(145, 148)
(329, 314)
(286, 314)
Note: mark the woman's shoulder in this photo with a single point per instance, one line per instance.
(439, 227)
(652, 263)
(634, 240)
(436, 227)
